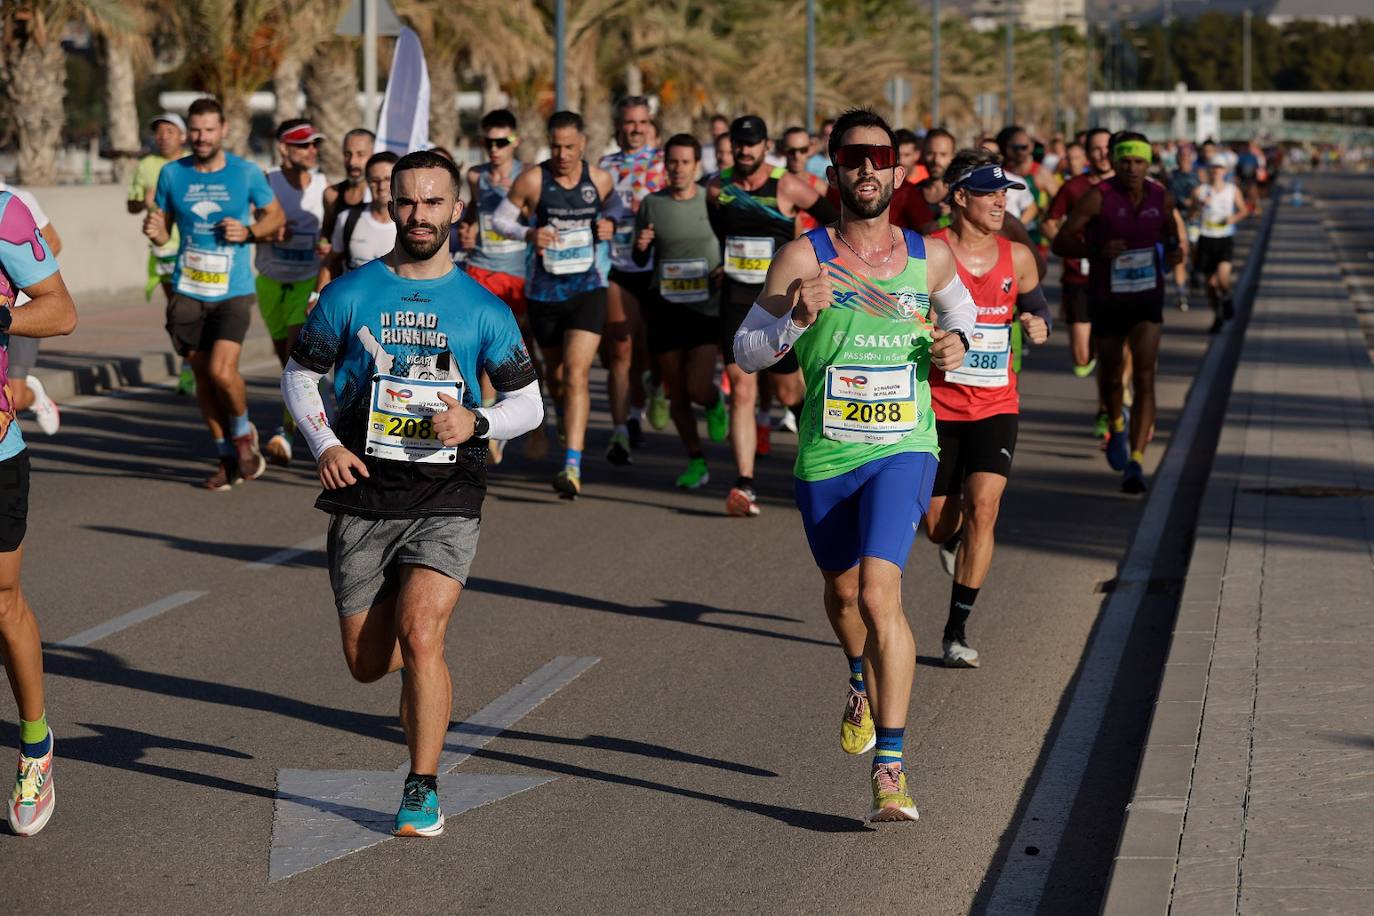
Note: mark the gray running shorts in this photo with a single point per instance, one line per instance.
(365, 554)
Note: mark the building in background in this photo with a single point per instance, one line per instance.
(1034, 15)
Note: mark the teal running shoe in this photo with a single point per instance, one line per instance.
(718, 421)
(695, 477)
(419, 814)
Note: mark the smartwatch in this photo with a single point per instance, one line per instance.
(480, 425)
(962, 338)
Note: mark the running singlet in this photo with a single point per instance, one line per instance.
(751, 228)
(866, 361)
(1075, 269)
(294, 259)
(209, 268)
(576, 263)
(1136, 276)
(25, 259)
(985, 385)
(370, 239)
(392, 345)
(494, 251)
(636, 175)
(686, 250)
(1218, 206)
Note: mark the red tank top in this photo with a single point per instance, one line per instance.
(985, 385)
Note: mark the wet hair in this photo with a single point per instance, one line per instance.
(498, 118)
(205, 105)
(965, 161)
(855, 118)
(561, 119)
(425, 159)
(686, 140)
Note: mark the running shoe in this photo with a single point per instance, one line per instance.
(742, 502)
(568, 482)
(718, 421)
(1118, 450)
(1085, 370)
(1102, 425)
(636, 432)
(1133, 478)
(763, 446)
(618, 452)
(251, 462)
(1183, 303)
(949, 550)
(225, 477)
(659, 413)
(959, 654)
(537, 444)
(857, 734)
(44, 409)
(278, 449)
(695, 477)
(788, 420)
(34, 795)
(186, 382)
(419, 814)
(891, 800)
(496, 450)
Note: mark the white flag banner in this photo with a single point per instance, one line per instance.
(404, 122)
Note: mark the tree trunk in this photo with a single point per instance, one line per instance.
(123, 112)
(492, 95)
(35, 84)
(286, 85)
(634, 79)
(238, 123)
(443, 104)
(331, 99)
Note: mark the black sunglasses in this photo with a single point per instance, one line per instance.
(797, 150)
(496, 142)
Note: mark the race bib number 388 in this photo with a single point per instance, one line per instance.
(869, 404)
(400, 425)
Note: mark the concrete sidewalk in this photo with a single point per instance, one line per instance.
(1254, 790)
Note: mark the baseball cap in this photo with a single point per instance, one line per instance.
(749, 130)
(172, 119)
(300, 135)
(986, 179)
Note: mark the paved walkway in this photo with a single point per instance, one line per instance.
(1254, 791)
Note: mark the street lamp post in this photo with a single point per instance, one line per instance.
(1011, 63)
(1247, 73)
(370, 29)
(935, 63)
(560, 56)
(810, 65)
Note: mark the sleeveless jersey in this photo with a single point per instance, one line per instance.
(1218, 206)
(294, 259)
(1136, 277)
(636, 175)
(494, 252)
(866, 362)
(576, 263)
(985, 385)
(751, 227)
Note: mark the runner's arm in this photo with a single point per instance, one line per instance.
(771, 328)
(643, 221)
(50, 311)
(520, 201)
(1030, 295)
(804, 197)
(470, 213)
(519, 406)
(300, 391)
(954, 307)
(1070, 241)
(515, 412)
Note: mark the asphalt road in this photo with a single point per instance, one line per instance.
(694, 767)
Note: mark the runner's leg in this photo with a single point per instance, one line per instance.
(1144, 344)
(579, 349)
(370, 647)
(673, 364)
(424, 606)
(982, 500)
(889, 647)
(21, 648)
(617, 355)
(743, 433)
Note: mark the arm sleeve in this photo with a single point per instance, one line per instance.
(762, 339)
(955, 307)
(515, 412)
(506, 220)
(1034, 302)
(300, 390)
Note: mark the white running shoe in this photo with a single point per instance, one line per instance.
(949, 551)
(44, 408)
(959, 654)
(788, 420)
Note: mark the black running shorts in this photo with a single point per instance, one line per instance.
(973, 447)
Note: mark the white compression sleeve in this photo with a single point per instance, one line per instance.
(515, 412)
(506, 220)
(763, 339)
(300, 389)
(955, 308)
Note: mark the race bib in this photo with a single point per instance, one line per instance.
(572, 252)
(205, 274)
(685, 280)
(1134, 271)
(494, 242)
(988, 358)
(400, 425)
(1215, 225)
(623, 240)
(296, 254)
(868, 404)
(747, 259)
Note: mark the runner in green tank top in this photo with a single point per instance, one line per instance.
(855, 302)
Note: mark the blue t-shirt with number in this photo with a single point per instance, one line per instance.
(25, 259)
(209, 268)
(372, 322)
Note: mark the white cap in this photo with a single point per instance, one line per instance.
(171, 118)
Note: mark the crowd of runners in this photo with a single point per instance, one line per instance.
(866, 290)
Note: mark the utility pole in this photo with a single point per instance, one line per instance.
(935, 63)
(560, 56)
(810, 65)
(1246, 71)
(1010, 116)
(370, 29)
(1054, 89)
(1088, 57)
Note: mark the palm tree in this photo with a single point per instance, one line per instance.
(312, 23)
(331, 97)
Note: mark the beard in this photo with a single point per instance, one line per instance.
(865, 209)
(422, 251)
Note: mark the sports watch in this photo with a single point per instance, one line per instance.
(480, 425)
(962, 337)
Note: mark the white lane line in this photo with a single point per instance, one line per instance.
(287, 554)
(1021, 882)
(124, 621)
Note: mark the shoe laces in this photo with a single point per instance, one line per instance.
(414, 796)
(858, 705)
(888, 777)
(30, 780)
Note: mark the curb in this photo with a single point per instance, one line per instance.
(1142, 876)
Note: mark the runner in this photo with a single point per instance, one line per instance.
(169, 140)
(976, 406)
(358, 146)
(924, 207)
(854, 300)
(753, 209)
(366, 231)
(26, 389)
(725, 157)
(402, 468)
(211, 196)
(27, 265)
(1183, 181)
(682, 309)
(637, 171)
(562, 204)
(1219, 205)
(796, 149)
(909, 154)
(1118, 225)
(1027, 204)
(288, 261)
(1075, 162)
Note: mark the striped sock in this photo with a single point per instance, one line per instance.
(573, 459)
(889, 747)
(856, 674)
(34, 737)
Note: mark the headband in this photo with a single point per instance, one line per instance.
(1138, 148)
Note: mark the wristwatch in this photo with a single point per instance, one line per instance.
(480, 426)
(962, 337)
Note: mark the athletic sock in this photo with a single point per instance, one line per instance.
(430, 782)
(1119, 425)
(961, 599)
(744, 483)
(241, 425)
(1138, 456)
(763, 417)
(636, 415)
(34, 738)
(620, 429)
(889, 746)
(573, 459)
(856, 674)
(225, 448)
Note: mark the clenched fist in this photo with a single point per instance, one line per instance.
(814, 295)
(1034, 327)
(946, 350)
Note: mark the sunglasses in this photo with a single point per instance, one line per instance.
(852, 156)
(1020, 147)
(797, 150)
(497, 142)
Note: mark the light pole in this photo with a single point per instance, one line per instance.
(1011, 63)
(370, 29)
(1245, 64)
(935, 63)
(560, 56)
(810, 65)
(1054, 89)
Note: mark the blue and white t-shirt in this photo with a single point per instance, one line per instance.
(209, 268)
(371, 323)
(25, 259)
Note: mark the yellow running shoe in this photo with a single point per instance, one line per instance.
(891, 800)
(857, 735)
